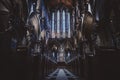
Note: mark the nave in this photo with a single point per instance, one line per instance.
(59, 40)
(103, 65)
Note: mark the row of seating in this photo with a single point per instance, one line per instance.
(104, 65)
(21, 66)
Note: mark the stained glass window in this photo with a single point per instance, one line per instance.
(68, 25)
(58, 21)
(53, 22)
(53, 25)
(62, 23)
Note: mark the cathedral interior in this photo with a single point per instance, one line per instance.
(60, 39)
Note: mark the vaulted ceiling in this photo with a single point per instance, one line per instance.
(54, 3)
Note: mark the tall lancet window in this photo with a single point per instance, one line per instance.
(58, 23)
(68, 25)
(63, 25)
(53, 27)
(66, 22)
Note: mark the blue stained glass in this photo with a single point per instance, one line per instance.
(61, 22)
(53, 22)
(68, 21)
(69, 25)
(63, 25)
(58, 21)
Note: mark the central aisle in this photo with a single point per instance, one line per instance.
(62, 74)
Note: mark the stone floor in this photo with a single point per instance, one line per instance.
(62, 74)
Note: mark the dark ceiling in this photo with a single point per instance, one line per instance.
(54, 3)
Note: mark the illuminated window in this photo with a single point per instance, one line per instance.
(58, 21)
(68, 25)
(62, 23)
(52, 22)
